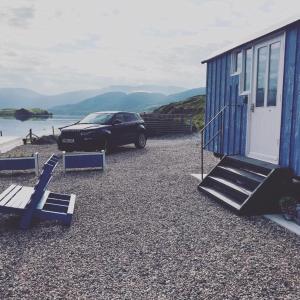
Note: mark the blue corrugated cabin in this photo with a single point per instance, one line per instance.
(253, 99)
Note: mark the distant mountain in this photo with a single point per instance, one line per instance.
(20, 97)
(17, 97)
(69, 97)
(112, 101)
(138, 102)
(167, 90)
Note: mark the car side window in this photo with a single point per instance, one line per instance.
(120, 117)
(129, 117)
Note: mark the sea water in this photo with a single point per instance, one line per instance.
(39, 126)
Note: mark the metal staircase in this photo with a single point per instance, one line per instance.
(248, 186)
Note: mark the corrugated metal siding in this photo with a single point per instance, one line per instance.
(290, 132)
(222, 89)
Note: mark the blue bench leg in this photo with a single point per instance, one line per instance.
(26, 220)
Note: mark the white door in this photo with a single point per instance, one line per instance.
(266, 101)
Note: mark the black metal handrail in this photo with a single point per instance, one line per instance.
(219, 132)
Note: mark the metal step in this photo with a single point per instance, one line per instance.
(220, 196)
(260, 166)
(231, 185)
(246, 174)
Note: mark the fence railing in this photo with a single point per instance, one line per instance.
(161, 124)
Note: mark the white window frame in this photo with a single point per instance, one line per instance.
(243, 92)
(234, 62)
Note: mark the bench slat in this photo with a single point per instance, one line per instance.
(10, 194)
(3, 194)
(21, 199)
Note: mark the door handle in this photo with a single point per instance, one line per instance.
(252, 107)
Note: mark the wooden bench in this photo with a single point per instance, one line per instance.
(20, 163)
(84, 160)
(37, 201)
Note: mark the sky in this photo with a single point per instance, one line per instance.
(54, 46)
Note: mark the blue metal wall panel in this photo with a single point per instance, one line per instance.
(227, 102)
(213, 103)
(208, 100)
(288, 96)
(296, 144)
(223, 89)
(217, 103)
(290, 123)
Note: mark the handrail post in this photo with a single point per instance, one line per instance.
(221, 133)
(202, 161)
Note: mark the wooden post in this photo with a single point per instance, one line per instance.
(53, 130)
(30, 135)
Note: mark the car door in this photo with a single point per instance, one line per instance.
(131, 125)
(119, 129)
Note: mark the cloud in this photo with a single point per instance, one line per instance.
(59, 45)
(21, 16)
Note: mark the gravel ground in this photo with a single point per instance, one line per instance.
(141, 230)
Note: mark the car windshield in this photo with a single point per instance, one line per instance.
(96, 118)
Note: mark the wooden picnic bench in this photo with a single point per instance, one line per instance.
(37, 201)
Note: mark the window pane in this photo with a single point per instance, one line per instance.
(261, 76)
(273, 73)
(239, 62)
(247, 73)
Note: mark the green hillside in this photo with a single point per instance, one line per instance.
(137, 102)
(193, 105)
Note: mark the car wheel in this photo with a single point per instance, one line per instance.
(140, 141)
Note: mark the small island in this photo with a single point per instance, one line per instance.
(25, 114)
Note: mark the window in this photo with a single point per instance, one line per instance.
(273, 73)
(96, 118)
(129, 117)
(236, 63)
(267, 74)
(120, 117)
(247, 69)
(261, 75)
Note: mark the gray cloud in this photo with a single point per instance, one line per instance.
(88, 42)
(21, 16)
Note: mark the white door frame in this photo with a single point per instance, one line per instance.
(252, 94)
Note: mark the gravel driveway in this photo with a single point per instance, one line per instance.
(141, 230)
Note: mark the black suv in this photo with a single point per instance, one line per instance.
(102, 131)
